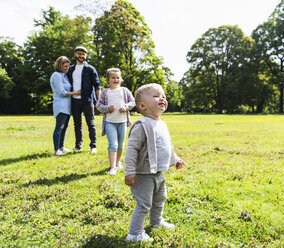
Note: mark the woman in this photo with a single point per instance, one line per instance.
(62, 93)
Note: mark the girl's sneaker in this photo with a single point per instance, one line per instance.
(112, 171)
(119, 165)
(140, 237)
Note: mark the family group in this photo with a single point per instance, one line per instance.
(149, 150)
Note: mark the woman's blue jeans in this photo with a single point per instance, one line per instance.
(116, 133)
(62, 121)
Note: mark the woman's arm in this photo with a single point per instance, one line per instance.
(57, 83)
(59, 86)
(71, 93)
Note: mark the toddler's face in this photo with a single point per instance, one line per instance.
(114, 80)
(155, 102)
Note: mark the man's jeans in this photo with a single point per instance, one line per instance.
(88, 110)
(61, 125)
(116, 133)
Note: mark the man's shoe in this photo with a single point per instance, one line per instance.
(77, 149)
(93, 150)
(112, 171)
(63, 149)
(59, 153)
(140, 237)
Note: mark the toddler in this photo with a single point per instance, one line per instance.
(149, 152)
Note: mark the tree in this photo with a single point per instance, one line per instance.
(96, 9)
(214, 60)
(174, 96)
(269, 38)
(59, 35)
(14, 98)
(10, 56)
(6, 84)
(124, 40)
(255, 88)
(198, 97)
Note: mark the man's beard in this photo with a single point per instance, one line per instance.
(80, 59)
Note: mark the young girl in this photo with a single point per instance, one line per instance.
(115, 103)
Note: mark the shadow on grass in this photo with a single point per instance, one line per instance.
(8, 161)
(103, 241)
(65, 178)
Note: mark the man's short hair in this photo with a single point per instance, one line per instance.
(80, 48)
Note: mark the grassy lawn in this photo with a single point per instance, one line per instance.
(230, 194)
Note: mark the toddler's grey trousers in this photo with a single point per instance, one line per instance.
(150, 193)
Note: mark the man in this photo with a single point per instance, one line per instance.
(84, 77)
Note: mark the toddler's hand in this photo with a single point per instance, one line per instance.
(130, 180)
(111, 108)
(179, 164)
(122, 109)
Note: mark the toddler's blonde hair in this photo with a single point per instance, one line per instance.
(142, 91)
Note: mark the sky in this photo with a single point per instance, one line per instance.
(175, 24)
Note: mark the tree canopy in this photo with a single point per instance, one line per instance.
(123, 40)
(215, 60)
(228, 71)
(269, 38)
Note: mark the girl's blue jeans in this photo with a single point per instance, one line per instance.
(116, 133)
(61, 125)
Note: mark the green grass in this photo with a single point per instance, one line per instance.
(229, 194)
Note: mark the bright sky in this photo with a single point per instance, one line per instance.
(175, 24)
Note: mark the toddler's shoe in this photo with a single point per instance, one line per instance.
(140, 237)
(112, 171)
(119, 165)
(59, 153)
(165, 224)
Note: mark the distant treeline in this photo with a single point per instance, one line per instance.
(229, 72)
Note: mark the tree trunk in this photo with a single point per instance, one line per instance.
(281, 98)
(219, 106)
(219, 96)
(98, 58)
(259, 107)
